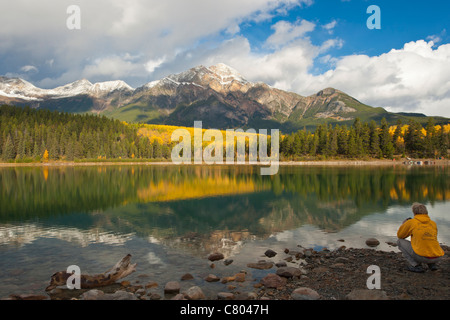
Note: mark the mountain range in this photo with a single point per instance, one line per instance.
(217, 95)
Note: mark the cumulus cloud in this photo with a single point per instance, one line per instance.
(415, 78)
(285, 32)
(144, 40)
(36, 31)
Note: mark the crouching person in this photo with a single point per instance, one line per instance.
(424, 247)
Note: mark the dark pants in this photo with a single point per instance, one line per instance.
(413, 258)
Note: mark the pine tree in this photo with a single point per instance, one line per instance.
(386, 146)
(297, 145)
(333, 149)
(444, 142)
(8, 152)
(375, 150)
(431, 142)
(414, 139)
(343, 141)
(352, 148)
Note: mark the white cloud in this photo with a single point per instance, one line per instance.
(36, 31)
(143, 40)
(330, 26)
(151, 65)
(285, 32)
(415, 78)
(29, 68)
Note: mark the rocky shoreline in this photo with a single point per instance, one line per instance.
(294, 274)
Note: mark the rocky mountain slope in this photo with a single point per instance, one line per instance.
(218, 95)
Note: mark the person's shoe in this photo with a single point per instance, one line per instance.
(417, 269)
(432, 266)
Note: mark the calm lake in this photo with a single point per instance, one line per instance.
(169, 218)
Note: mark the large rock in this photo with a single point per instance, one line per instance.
(273, 280)
(172, 287)
(304, 293)
(194, 293)
(366, 294)
(289, 272)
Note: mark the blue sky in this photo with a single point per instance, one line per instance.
(296, 45)
(402, 22)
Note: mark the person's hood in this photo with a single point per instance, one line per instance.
(423, 218)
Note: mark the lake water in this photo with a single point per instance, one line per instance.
(169, 218)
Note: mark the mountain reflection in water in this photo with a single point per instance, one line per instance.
(181, 201)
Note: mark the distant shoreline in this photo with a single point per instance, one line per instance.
(281, 163)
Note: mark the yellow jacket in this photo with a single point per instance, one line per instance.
(423, 232)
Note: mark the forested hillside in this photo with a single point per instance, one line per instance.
(40, 135)
(29, 135)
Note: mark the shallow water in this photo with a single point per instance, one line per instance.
(170, 218)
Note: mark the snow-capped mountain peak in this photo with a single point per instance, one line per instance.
(227, 73)
(71, 89)
(109, 86)
(19, 88)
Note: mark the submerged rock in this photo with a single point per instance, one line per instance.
(215, 256)
(261, 265)
(270, 253)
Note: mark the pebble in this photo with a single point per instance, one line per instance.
(372, 242)
(178, 296)
(172, 287)
(270, 253)
(366, 294)
(194, 293)
(227, 262)
(304, 293)
(212, 278)
(273, 280)
(187, 276)
(289, 272)
(225, 296)
(341, 260)
(125, 283)
(151, 284)
(154, 296)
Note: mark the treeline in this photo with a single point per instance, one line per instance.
(28, 135)
(369, 140)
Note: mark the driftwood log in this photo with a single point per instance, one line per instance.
(122, 269)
